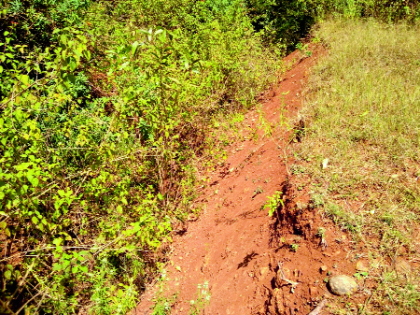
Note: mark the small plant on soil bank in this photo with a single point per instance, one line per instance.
(361, 274)
(273, 203)
(162, 302)
(294, 247)
(304, 49)
(203, 299)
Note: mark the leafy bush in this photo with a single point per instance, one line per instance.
(287, 21)
(386, 10)
(100, 129)
(28, 26)
(284, 20)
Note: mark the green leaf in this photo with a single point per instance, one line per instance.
(35, 220)
(79, 50)
(174, 80)
(57, 241)
(7, 274)
(73, 64)
(57, 267)
(18, 275)
(87, 55)
(25, 188)
(35, 182)
(83, 268)
(24, 79)
(134, 47)
(22, 166)
(158, 32)
(124, 65)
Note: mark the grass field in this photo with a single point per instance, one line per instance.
(361, 152)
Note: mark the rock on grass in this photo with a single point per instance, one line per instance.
(342, 285)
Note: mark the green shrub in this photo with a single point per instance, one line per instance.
(100, 129)
(386, 10)
(287, 21)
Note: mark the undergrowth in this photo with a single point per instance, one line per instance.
(102, 129)
(363, 114)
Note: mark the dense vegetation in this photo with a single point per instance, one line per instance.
(104, 112)
(103, 115)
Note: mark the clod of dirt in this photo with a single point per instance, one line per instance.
(361, 266)
(301, 206)
(342, 285)
(263, 272)
(402, 266)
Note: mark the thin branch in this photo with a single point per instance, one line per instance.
(27, 302)
(21, 281)
(47, 248)
(283, 277)
(317, 310)
(3, 105)
(42, 298)
(7, 307)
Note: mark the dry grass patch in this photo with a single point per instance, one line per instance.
(361, 151)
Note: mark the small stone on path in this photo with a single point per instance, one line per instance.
(361, 266)
(342, 285)
(263, 272)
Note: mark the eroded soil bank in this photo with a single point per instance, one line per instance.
(253, 263)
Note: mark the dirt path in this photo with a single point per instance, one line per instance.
(240, 251)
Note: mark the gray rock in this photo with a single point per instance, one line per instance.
(342, 285)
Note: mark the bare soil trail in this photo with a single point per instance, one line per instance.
(247, 257)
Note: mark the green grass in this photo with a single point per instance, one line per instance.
(364, 116)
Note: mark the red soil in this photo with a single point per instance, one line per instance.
(236, 247)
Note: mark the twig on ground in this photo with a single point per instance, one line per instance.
(319, 307)
(283, 277)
